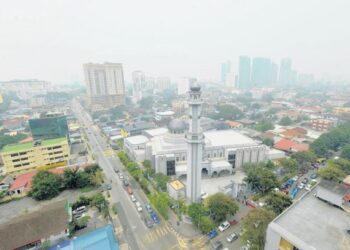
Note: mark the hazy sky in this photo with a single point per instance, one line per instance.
(50, 39)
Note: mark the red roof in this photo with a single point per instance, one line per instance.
(25, 180)
(288, 145)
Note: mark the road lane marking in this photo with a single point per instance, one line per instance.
(182, 244)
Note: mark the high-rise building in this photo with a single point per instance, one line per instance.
(285, 75)
(139, 84)
(273, 74)
(105, 84)
(195, 140)
(244, 72)
(225, 69)
(261, 69)
(49, 127)
(163, 83)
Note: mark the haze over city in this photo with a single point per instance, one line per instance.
(52, 39)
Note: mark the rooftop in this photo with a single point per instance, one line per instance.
(49, 220)
(227, 137)
(311, 223)
(29, 145)
(335, 187)
(177, 185)
(137, 139)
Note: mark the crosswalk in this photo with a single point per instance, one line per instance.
(199, 243)
(156, 233)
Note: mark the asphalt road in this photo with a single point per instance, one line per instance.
(136, 234)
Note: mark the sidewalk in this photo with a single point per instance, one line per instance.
(184, 229)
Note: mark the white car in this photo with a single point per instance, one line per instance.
(138, 206)
(308, 187)
(223, 226)
(133, 199)
(295, 178)
(204, 195)
(301, 185)
(121, 176)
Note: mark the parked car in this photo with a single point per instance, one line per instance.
(305, 180)
(217, 245)
(223, 226)
(148, 223)
(80, 210)
(301, 185)
(116, 169)
(149, 208)
(212, 234)
(295, 178)
(138, 206)
(308, 187)
(121, 176)
(155, 218)
(232, 237)
(313, 176)
(204, 195)
(108, 186)
(129, 190)
(125, 183)
(132, 197)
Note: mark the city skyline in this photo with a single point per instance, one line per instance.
(175, 48)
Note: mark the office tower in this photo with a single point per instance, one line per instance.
(273, 74)
(49, 126)
(194, 139)
(261, 72)
(285, 75)
(105, 84)
(244, 72)
(225, 69)
(139, 84)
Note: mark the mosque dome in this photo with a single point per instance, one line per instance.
(177, 126)
(195, 87)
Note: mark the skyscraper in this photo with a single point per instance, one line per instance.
(225, 69)
(273, 73)
(261, 72)
(194, 139)
(285, 75)
(105, 84)
(139, 83)
(244, 72)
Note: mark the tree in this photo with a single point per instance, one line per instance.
(264, 125)
(277, 202)
(226, 112)
(262, 180)
(220, 206)
(73, 178)
(161, 202)
(345, 153)
(268, 142)
(45, 185)
(7, 139)
(146, 102)
(332, 173)
(289, 165)
(161, 180)
(304, 158)
(254, 227)
(91, 169)
(285, 121)
(99, 201)
(200, 218)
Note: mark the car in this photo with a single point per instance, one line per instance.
(129, 190)
(132, 197)
(305, 180)
(223, 226)
(148, 223)
(308, 187)
(80, 210)
(108, 186)
(295, 178)
(155, 218)
(212, 234)
(313, 176)
(301, 185)
(217, 245)
(149, 208)
(121, 176)
(232, 237)
(138, 206)
(116, 169)
(125, 183)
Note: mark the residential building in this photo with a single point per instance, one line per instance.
(139, 84)
(285, 75)
(104, 84)
(234, 124)
(290, 146)
(322, 124)
(31, 230)
(49, 126)
(244, 72)
(225, 69)
(40, 154)
(261, 69)
(311, 223)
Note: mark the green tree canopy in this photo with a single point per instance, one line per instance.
(76, 179)
(332, 172)
(161, 202)
(200, 218)
(146, 102)
(277, 202)
(226, 112)
(161, 180)
(264, 125)
(220, 206)
(268, 142)
(262, 179)
(45, 185)
(285, 121)
(305, 157)
(345, 153)
(254, 227)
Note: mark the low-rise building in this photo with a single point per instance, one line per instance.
(176, 189)
(309, 224)
(30, 231)
(46, 154)
(322, 124)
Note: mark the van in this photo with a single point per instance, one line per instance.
(129, 190)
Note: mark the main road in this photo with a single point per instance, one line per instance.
(135, 233)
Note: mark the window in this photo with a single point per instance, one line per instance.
(23, 153)
(13, 155)
(170, 168)
(183, 158)
(17, 165)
